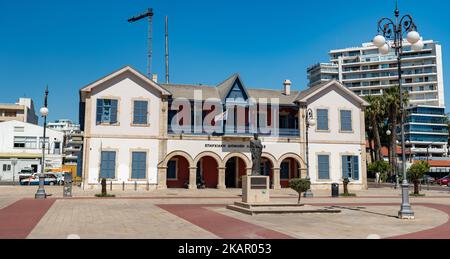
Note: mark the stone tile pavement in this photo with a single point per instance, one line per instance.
(201, 214)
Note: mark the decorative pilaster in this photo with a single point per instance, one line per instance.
(162, 178)
(193, 178)
(221, 185)
(276, 179)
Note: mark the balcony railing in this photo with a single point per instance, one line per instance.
(239, 132)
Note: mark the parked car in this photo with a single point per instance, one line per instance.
(26, 173)
(428, 180)
(49, 179)
(444, 181)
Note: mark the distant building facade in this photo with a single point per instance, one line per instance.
(427, 131)
(22, 111)
(73, 140)
(139, 131)
(22, 142)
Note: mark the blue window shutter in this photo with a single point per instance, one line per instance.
(322, 119)
(140, 112)
(108, 165)
(114, 106)
(139, 164)
(346, 121)
(324, 167)
(356, 168)
(345, 168)
(99, 111)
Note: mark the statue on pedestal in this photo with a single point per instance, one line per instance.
(256, 148)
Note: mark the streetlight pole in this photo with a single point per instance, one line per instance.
(390, 35)
(14, 163)
(40, 194)
(309, 119)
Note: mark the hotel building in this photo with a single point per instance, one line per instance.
(366, 72)
(138, 131)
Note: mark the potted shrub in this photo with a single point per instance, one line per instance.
(300, 186)
(416, 173)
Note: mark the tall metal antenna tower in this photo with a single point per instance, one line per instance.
(167, 50)
(148, 14)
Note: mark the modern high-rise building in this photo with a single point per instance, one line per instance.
(366, 72)
(427, 131)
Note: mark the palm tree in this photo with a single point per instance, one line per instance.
(375, 113)
(391, 98)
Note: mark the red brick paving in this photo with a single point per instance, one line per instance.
(221, 225)
(19, 219)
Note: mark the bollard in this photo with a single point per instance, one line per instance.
(148, 186)
(123, 186)
(111, 186)
(135, 186)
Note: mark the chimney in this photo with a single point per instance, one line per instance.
(155, 78)
(287, 87)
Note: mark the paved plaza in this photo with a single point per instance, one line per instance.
(202, 214)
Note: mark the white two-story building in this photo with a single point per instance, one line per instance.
(21, 147)
(138, 131)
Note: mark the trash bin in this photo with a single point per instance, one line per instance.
(335, 190)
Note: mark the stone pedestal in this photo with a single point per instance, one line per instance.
(255, 189)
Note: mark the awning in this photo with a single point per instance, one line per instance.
(20, 156)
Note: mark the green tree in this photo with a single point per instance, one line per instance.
(416, 173)
(300, 186)
(374, 114)
(381, 167)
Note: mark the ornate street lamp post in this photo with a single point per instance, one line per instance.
(396, 183)
(310, 122)
(390, 35)
(40, 194)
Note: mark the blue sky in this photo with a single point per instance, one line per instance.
(68, 44)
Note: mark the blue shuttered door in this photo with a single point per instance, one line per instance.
(350, 167)
(356, 168)
(345, 167)
(324, 167)
(139, 165)
(108, 165)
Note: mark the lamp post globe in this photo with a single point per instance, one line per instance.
(379, 41)
(44, 111)
(312, 122)
(418, 46)
(384, 50)
(413, 37)
(388, 132)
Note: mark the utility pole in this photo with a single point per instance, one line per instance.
(149, 14)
